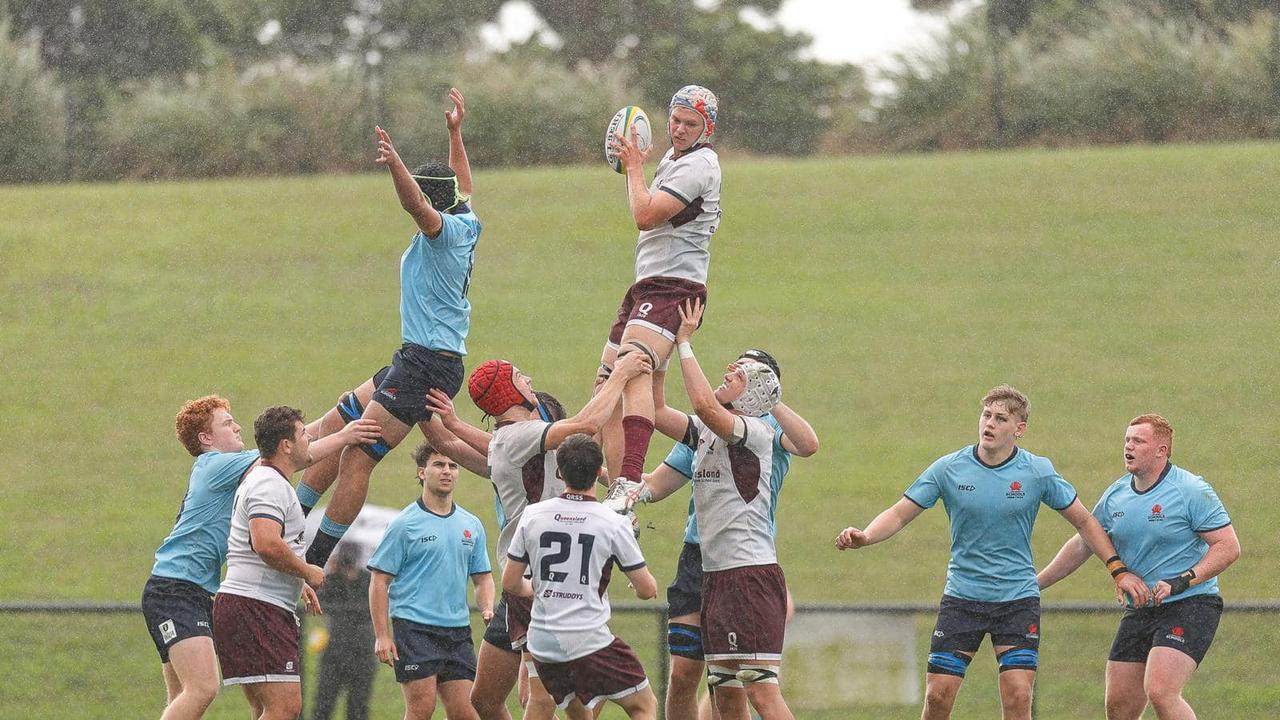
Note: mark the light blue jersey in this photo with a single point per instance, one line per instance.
(1155, 531)
(681, 460)
(435, 274)
(992, 511)
(197, 546)
(432, 557)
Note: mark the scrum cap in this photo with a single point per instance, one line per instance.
(763, 389)
(701, 101)
(492, 388)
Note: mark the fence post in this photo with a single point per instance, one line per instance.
(664, 661)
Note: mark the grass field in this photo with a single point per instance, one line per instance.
(894, 291)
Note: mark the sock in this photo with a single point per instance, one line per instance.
(325, 541)
(307, 496)
(636, 432)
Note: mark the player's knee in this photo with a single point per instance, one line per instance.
(1018, 659)
(378, 450)
(1162, 693)
(948, 663)
(1125, 708)
(201, 692)
(1016, 697)
(751, 674)
(722, 677)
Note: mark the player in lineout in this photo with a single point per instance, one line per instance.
(742, 619)
(177, 602)
(420, 572)
(992, 492)
(570, 543)
(792, 435)
(435, 316)
(521, 458)
(1177, 534)
(676, 215)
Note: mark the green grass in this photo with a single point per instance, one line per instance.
(894, 291)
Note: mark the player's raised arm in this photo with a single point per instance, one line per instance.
(361, 431)
(407, 189)
(593, 416)
(798, 436)
(701, 396)
(883, 527)
(457, 150)
(648, 209)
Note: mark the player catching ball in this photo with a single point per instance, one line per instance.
(676, 215)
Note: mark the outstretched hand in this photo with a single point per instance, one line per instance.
(387, 154)
(453, 118)
(633, 364)
(439, 402)
(690, 319)
(851, 538)
(361, 431)
(628, 149)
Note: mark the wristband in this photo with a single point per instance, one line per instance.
(1180, 583)
(1120, 571)
(1116, 566)
(686, 350)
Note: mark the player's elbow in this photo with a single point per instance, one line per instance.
(807, 447)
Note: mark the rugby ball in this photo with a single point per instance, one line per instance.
(623, 122)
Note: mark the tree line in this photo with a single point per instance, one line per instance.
(105, 89)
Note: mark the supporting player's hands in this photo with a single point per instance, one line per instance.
(690, 319)
(385, 648)
(633, 364)
(439, 403)
(314, 576)
(851, 538)
(1129, 584)
(311, 601)
(628, 149)
(361, 431)
(453, 118)
(387, 154)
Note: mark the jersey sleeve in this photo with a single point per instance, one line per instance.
(1100, 512)
(479, 552)
(927, 488)
(626, 548)
(226, 469)
(519, 442)
(690, 180)
(1206, 512)
(389, 557)
(680, 459)
(1057, 493)
(269, 499)
(518, 550)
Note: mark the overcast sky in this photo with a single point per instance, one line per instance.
(857, 31)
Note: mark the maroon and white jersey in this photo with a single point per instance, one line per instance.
(264, 493)
(732, 493)
(571, 544)
(681, 246)
(523, 471)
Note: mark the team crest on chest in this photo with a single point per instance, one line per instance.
(1157, 513)
(1015, 491)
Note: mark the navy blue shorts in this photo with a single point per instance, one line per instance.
(428, 651)
(414, 371)
(963, 623)
(175, 610)
(1187, 625)
(684, 594)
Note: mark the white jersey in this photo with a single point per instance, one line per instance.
(571, 544)
(681, 246)
(264, 493)
(733, 494)
(523, 472)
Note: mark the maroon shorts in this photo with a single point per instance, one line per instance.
(655, 303)
(609, 673)
(256, 641)
(519, 613)
(744, 613)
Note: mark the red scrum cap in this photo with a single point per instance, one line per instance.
(493, 389)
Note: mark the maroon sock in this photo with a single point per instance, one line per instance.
(636, 431)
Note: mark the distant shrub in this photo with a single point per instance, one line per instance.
(32, 116)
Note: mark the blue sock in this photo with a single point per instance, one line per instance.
(325, 541)
(333, 529)
(307, 496)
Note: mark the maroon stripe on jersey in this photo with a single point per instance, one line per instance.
(534, 475)
(745, 466)
(606, 574)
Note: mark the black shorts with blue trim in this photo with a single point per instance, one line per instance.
(175, 610)
(1188, 625)
(684, 594)
(962, 624)
(415, 370)
(428, 651)
(349, 406)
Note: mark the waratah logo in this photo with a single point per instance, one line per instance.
(1015, 486)
(1156, 509)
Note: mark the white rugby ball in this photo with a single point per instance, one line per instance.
(623, 122)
